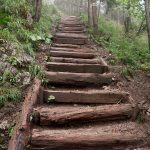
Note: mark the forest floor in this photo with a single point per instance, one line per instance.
(138, 87)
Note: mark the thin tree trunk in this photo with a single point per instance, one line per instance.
(94, 15)
(147, 20)
(99, 7)
(142, 26)
(89, 15)
(127, 21)
(38, 7)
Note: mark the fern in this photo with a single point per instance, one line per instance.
(9, 95)
(35, 70)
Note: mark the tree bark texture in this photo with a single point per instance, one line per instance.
(147, 20)
(38, 8)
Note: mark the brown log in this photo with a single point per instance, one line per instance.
(79, 79)
(69, 18)
(71, 21)
(89, 96)
(66, 45)
(76, 68)
(68, 114)
(72, 35)
(70, 41)
(21, 132)
(74, 60)
(73, 139)
(77, 32)
(73, 28)
(71, 24)
(72, 49)
(72, 54)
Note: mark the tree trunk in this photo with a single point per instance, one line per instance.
(89, 15)
(142, 26)
(147, 20)
(94, 16)
(69, 114)
(99, 7)
(127, 21)
(38, 7)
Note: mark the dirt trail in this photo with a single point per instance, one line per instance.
(76, 112)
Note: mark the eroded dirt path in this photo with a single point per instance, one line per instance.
(77, 111)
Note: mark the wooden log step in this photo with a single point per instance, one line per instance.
(66, 45)
(72, 28)
(78, 79)
(86, 139)
(71, 18)
(71, 21)
(75, 20)
(70, 41)
(88, 97)
(74, 60)
(47, 116)
(72, 54)
(72, 49)
(72, 35)
(76, 68)
(77, 32)
(71, 24)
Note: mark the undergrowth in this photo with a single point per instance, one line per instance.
(19, 29)
(9, 95)
(130, 50)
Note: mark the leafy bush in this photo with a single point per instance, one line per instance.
(35, 70)
(131, 51)
(21, 35)
(9, 95)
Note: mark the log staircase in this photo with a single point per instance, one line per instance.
(76, 112)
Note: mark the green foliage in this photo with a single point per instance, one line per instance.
(44, 82)
(51, 99)
(11, 129)
(84, 19)
(131, 51)
(9, 95)
(128, 73)
(29, 49)
(16, 29)
(4, 19)
(9, 77)
(15, 7)
(35, 70)
(22, 35)
(13, 60)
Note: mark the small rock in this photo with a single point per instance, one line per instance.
(148, 112)
(27, 78)
(4, 125)
(113, 79)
